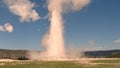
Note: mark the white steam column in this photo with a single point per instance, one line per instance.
(55, 38)
(53, 41)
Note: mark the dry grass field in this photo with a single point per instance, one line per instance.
(88, 63)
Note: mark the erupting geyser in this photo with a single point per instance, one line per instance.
(55, 46)
(53, 41)
(55, 38)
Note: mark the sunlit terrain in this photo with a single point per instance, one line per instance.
(94, 63)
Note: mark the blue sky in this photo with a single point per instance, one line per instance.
(99, 22)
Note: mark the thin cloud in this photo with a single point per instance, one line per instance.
(117, 41)
(1, 28)
(23, 9)
(6, 28)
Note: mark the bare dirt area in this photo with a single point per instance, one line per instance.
(98, 61)
(7, 60)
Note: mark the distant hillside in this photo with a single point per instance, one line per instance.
(13, 54)
(22, 54)
(107, 53)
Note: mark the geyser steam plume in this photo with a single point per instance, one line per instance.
(55, 46)
(55, 39)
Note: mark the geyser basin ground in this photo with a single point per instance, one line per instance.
(95, 63)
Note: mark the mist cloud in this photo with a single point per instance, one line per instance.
(23, 9)
(1, 28)
(67, 5)
(117, 41)
(6, 28)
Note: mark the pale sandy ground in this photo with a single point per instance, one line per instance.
(7, 60)
(81, 59)
(103, 58)
(89, 60)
